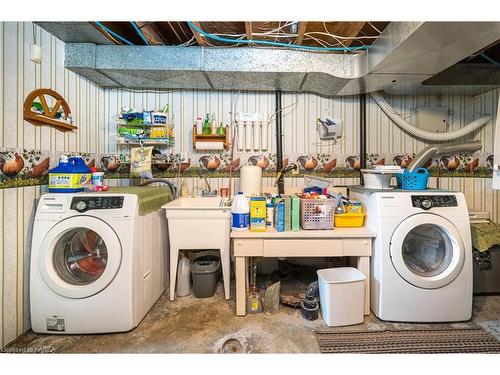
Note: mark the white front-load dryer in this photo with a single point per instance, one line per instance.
(421, 267)
(95, 265)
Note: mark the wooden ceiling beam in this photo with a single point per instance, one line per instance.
(151, 33)
(301, 29)
(354, 31)
(248, 29)
(201, 41)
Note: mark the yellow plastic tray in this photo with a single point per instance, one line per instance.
(349, 220)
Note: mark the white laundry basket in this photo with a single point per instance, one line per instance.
(341, 295)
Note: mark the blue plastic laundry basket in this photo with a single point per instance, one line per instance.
(416, 180)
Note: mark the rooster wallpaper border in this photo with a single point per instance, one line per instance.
(23, 167)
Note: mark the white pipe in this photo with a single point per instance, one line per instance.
(263, 132)
(430, 136)
(241, 135)
(256, 135)
(248, 135)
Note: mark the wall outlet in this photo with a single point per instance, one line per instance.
(36, 53)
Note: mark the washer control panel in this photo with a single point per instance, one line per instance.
(82, 204)
(426, 202)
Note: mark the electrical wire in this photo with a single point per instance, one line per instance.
(139, 32)
(272, 43)
(232, 128)
(108, 30)
(341, 37)
(285, 107)
(489, 59)
(110, 37)
(374, 28)
(326, 29)
(320, 41)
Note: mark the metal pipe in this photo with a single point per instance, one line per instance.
(362, 134)
(279, 142)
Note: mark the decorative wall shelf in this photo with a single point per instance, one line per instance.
(48, 115)
(211, 138)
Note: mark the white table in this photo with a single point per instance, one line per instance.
(339, 242)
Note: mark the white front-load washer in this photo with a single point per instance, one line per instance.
(96, 265)
(421, 266)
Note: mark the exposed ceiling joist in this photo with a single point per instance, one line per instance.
(201, 41)
(301, 29)
(354, 31)
(248, 30)
(151, 33)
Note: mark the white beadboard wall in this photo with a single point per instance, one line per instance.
(18, 77)
(94, 111)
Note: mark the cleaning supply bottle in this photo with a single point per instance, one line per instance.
(69, 176)
(183, 281)
(221, 130)
(97, 177)
(269, 214)
(199, 125)
(240, 213)
(213, 126)
(184, 189)
(207, 129)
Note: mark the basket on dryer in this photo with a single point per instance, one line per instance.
(416, 180)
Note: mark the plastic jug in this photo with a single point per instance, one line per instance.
(183, 281)
(240, 213)
(69, 176)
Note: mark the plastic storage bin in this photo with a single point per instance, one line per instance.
(342, 296)
(317, 213)
(416, 180)
(349, 220)
(377, 180)
(205, 277)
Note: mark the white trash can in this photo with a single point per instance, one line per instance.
(341, 295)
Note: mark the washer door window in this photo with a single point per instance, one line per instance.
(80, 257)
(427, 251)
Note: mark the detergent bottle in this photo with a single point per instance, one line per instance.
(240, 213)
(69, 176)
(183, 281)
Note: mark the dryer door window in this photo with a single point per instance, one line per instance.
(427, 251)
(80, 256)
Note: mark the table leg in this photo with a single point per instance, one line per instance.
(240, 271)
(364, 266)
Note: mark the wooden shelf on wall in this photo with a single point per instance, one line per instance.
(224, 139)
(48, 117)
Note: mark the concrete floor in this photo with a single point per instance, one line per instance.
(191, 325)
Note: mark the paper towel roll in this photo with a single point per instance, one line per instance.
(251, 180)
(209, 145)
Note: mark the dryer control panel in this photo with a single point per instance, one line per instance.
(426, 202)
(82, 204)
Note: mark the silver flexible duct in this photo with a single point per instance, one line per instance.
(430, 136)
(433, 150)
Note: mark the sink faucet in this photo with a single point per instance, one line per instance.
(208, 192)
(281, 174)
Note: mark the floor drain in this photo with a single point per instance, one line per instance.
(232, 346)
